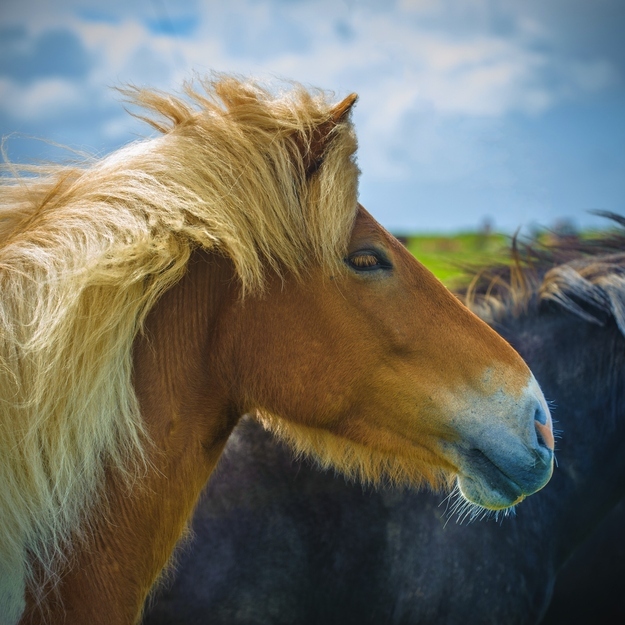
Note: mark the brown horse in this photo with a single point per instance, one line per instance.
(225, 267)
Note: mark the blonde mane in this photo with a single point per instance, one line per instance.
(87, 250)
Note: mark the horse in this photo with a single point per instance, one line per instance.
(320, 549)
(222, 267)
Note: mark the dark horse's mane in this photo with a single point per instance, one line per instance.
(585, 275)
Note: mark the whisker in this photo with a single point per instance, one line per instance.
(466, 511)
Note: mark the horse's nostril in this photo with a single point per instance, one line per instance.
(541, 440)
(540, 415)
(544, 435)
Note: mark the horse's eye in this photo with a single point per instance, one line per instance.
(367, 260)
(364, 261)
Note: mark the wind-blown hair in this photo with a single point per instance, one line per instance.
(87, 250)
(586, 276)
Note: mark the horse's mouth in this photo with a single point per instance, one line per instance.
(484, 483)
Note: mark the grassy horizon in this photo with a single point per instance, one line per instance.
(454, 257)
(449, 257)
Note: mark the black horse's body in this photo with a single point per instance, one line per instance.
(590, 587)
(278, 541)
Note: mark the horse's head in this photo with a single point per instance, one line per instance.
(382, 357)
(376, 354)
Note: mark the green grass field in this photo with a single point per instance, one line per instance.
(450, 257)
(446, 256)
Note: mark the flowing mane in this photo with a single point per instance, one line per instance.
(585, 276)
(87, 251)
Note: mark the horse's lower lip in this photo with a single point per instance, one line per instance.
(488, 483)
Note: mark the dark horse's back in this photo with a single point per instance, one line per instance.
(257, 529)
(277, 541)
(284, 543)
(590, 587)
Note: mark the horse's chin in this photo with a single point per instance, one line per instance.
(493, 491)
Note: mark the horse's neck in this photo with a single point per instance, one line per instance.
(184, 406)
(177, 363)
(579, 365)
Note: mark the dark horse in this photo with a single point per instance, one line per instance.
(319, 550)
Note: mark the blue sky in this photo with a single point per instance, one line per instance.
(469, 109)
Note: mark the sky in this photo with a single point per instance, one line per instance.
(469, 111)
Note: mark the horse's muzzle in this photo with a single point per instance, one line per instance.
(502, 460)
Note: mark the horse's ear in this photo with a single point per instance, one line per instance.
(341, 109)
(321, 135)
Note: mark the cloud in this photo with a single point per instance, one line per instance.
(57, 53)
(40, 100)
(441, 83)
(415, 56)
